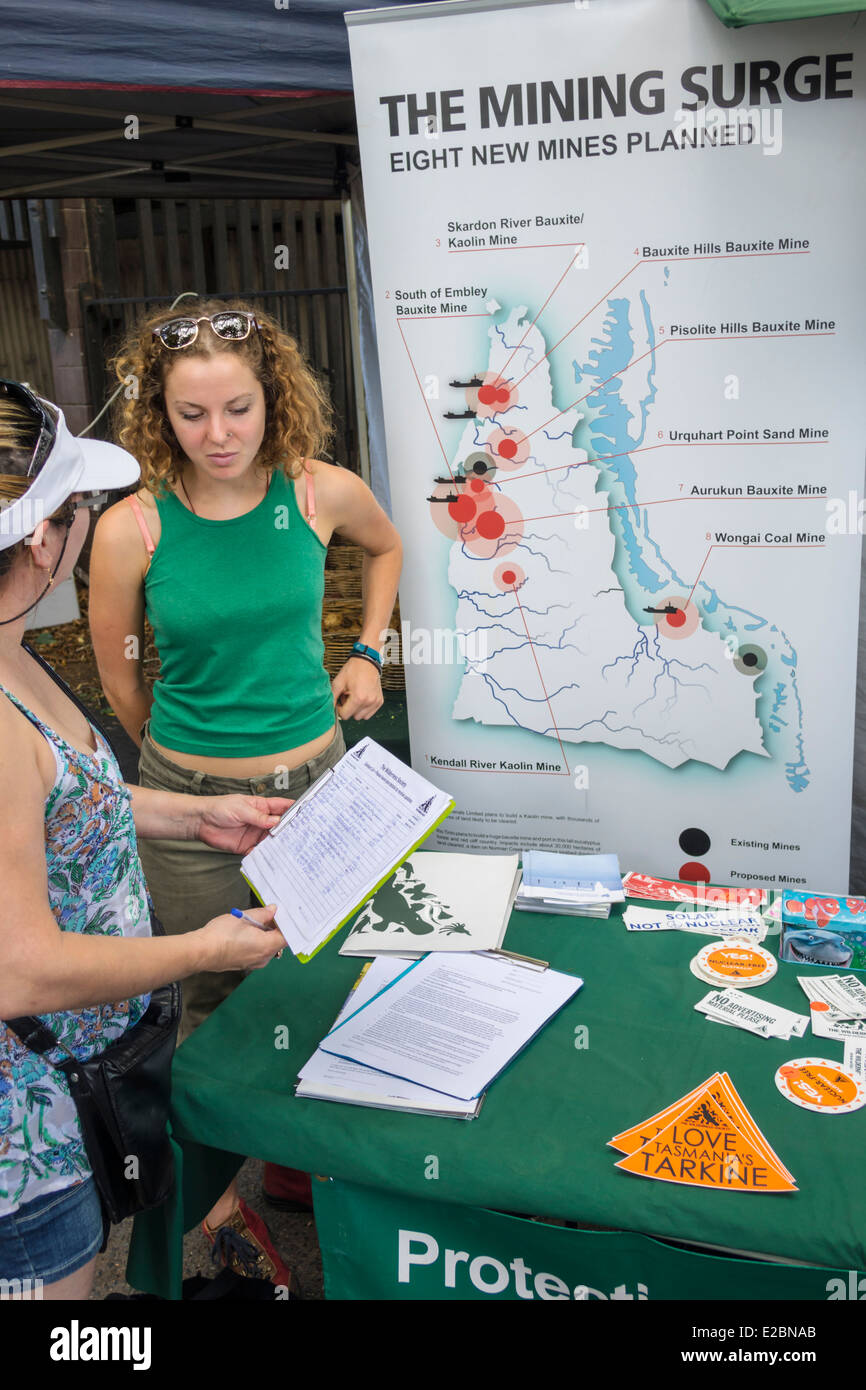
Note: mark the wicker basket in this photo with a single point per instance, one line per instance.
(341, 620)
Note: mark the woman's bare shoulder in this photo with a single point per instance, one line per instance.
(318, 467)
(17, 732)
(332, 480)
(118, 525)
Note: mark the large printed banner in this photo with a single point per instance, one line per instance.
(617, 257)
(378, 1246)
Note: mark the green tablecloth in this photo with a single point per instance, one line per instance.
(735, 13)
(539, 1143)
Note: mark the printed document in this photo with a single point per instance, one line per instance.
(326, 1077)
(452, 1021)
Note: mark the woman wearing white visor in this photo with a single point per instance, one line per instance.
(75, 932)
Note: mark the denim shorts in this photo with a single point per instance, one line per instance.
(52, 1236)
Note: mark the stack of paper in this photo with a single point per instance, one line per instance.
(447, 1024)
(713, 922)
(438, 902)
(837, 1005)
(326, 1077)
(340, 841)
(573, 885)
(705, 1139)
(704, 894)
(855, 1059)
(755, 1015)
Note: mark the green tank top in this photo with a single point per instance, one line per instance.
(236, 611)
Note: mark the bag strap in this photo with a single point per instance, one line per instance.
(70, 694)
(33, 1033)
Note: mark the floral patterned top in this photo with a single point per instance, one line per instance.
(95, 884)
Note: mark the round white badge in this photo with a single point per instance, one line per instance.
(813, 1083)
(736, 963)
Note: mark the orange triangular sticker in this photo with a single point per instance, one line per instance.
(703, 1147)
(724, 1094)
(630, 1140)
(735, 1110)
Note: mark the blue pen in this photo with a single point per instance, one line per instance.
(236, 912)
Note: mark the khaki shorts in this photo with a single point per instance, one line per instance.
(189, 882)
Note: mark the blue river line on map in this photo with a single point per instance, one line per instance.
(638, 564)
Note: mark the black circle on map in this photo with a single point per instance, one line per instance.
(694, 841)
(750, 660)
(481, 464)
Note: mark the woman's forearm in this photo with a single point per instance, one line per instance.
(132, 707)
(81, 971)
(379, 580)
(161, 815)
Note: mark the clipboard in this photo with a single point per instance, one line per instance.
(415, 786)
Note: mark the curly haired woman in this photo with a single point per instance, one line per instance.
(223, 548)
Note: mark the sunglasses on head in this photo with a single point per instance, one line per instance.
(42, 417)
(231, 324)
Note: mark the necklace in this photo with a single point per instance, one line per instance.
(186, 495)
(189, 500)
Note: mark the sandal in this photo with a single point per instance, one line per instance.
(243, 1244)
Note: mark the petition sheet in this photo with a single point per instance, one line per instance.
(324, 860)
(452, 1022)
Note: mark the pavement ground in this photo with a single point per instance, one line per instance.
(293, 1234)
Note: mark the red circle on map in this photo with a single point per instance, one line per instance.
(510, 449)
(440, 510)
(477, 485)
(463, 510)
(508, 577)
(692, 872)
(677, 625)
(495, 533)
(490, 525)
(494, 397)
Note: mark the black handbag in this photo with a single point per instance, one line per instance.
(122, 1096)
(123, 1093)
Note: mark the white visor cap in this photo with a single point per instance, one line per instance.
(73, 464)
